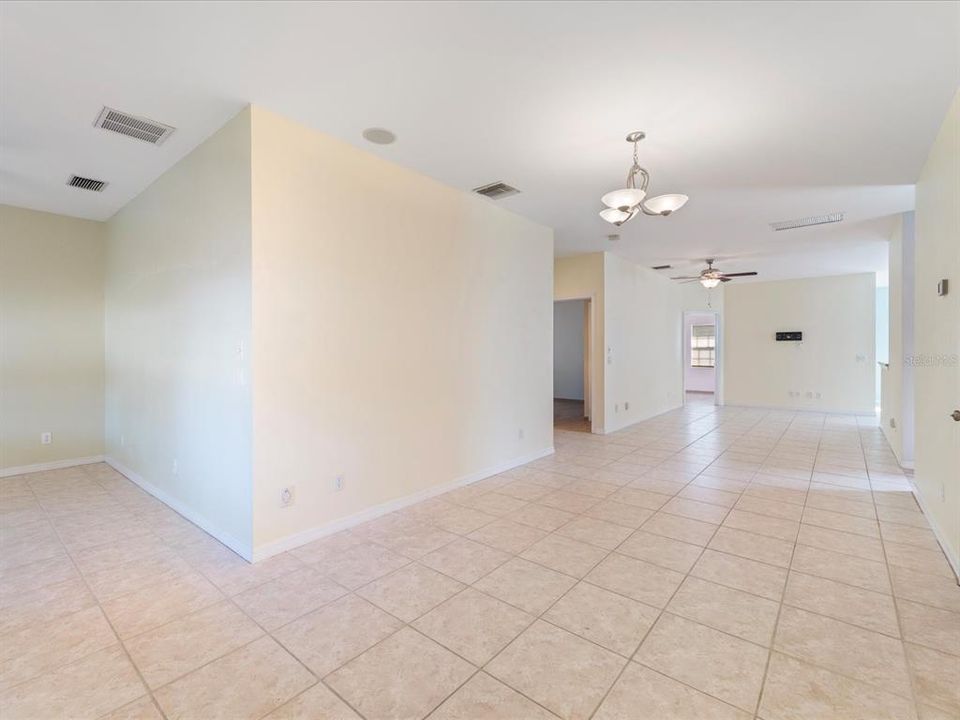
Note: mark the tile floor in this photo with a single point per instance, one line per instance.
(707, 563)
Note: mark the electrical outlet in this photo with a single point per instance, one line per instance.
(626, 406)
(286, 496)
(338, 483)
(616, 408)
(809, 395)
(819, 396)
(46, 438)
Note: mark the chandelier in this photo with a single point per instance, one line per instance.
(624, 204)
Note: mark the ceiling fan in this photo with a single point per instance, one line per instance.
(711, 277)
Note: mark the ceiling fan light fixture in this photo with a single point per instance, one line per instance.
(709, 282)
(623, 199)
(665, 204)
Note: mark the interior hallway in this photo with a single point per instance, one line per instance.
(568, 415)
(721, 562)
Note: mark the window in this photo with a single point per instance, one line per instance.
(703, 346)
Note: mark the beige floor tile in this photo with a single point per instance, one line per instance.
(795, 690)
(766, 525)
(327, 547)
(696, 510)
(417, 541)
(541, 516)
(484, 698)
(523, 490)
(713, 662)
(142, 709)
(107, 556)
(277, 602)
(244, 685)
(44, 605)
(410, 591)
(640, 498)
(741, 574)
(474, 625)
(83, 690)
(465, 560)
(384, 683)
(710, 495)
(842, 648)
(931, 562)
(327, 638)
(911, 516)
(497, 503)
(629, 516)
(662, 551)
(566, 674)
(936, 677)
(920, 587)
(463, 520)
(684, 529)
(155, 605)
(752, 546)
(841, 542)
(732, 611)
(526, 585)
(33, 650)
(361, 564)
(178, 647)
(508, 536)
(636, 579)
(929, 712)
(842, 568)
(317, 703)
(932, 627)
(24, 578)
(909, 535)
(137, 574)
(643, 693)
(564, 555)
(608, 619)
(595, 532)
(770, 508)
(865, 608)
(568, 501)
(841, 521)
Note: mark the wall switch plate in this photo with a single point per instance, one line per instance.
(286, 496)
(46, 438)
(338, 483)
(943, 287)
(626, 406)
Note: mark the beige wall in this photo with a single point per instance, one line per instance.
(51, 338)
(937, 335)
(178, 337)
(402, 333)
(642, 328)
(835, 359)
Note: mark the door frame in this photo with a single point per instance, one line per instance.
(591, 386)
(718, 353)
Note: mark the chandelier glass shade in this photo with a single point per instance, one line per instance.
(626, 203)
(709, 282)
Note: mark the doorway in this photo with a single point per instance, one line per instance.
(700, 358)
(572, 381)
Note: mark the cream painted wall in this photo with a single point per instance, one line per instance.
(835, 359)
(937, 336)
(402, 333)
(51, 338)
(642, 326)
(178, 336)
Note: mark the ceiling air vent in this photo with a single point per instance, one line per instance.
(808, 221)
(661, 267)
(132, 126)
(496, 190)
(86, 183)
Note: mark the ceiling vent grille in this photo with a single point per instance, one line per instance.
(808, 221)
(496, 190)
(132, 126)
(86, 183)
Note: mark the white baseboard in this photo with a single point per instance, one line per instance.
(952, 559)
(315, 533)
(794, 408)
(240, 548)
(55, 465)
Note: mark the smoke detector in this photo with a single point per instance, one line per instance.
(808, 221)
(496, 190)
(85, 183)
(139, 128)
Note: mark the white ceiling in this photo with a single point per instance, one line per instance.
(759, 111)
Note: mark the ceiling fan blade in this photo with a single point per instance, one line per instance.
(686, 277)
(744, 274)
(690, 281)
(725, 279)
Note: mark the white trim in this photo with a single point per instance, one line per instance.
(952, 559)
(55, 465)
(240, 548)
(794, 408)
(315, 533)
